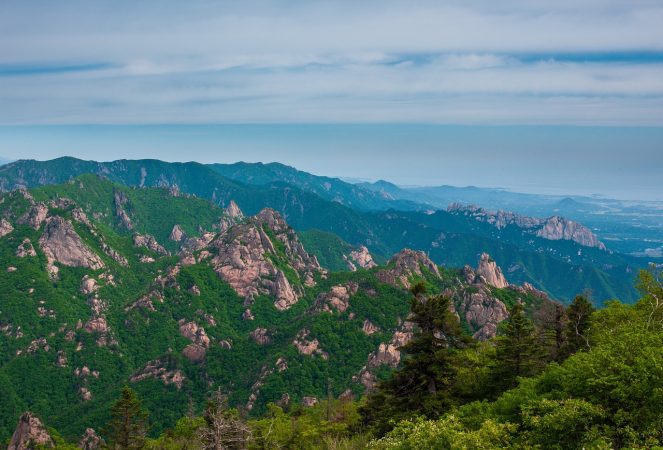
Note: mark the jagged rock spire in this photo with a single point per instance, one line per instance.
(29, 433)
(490, 272)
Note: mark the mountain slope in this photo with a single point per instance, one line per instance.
(558, 267)
(332, 189)
(177, 297)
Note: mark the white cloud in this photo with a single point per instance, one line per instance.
(283, 61)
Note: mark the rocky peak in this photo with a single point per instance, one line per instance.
(406, 264)
(149, 242)
(553, 228)
(490, 272)
(362, 258)
(233, 211)
(30, 432)
(557, 228)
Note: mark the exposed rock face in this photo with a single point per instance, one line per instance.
(233, 211)
(85, 394)
(482, 312)
(285, 295)
(308, 402)
(308, 347)
(338, 297)
(150, 243)
(404, 265)
(90, 440)
(88, 285)
(247, 315)
(196, 351)
(25, 249)
(490, 272)
(29, 433)
(61, 243)
(369, 327)
(260, 335)
(120, 200)
(34, 216)
(387, 353)
(362, 258)
(156, 369)
(245, 259)
(552, 228)
(556, 228)
(96, 325)
(177, 234)
(5, 227)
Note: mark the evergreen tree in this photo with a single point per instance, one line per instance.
(128, 426)
(423, 385)
(550, 322)
(577, 328)
(518, 353)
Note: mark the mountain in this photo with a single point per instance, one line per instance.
(562, 268)
(332, 189)
(106, 285)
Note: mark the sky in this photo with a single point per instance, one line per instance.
(538, 95)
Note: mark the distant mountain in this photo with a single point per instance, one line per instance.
(560, 267)
(332, 189)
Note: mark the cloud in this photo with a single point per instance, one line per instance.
(290, 61)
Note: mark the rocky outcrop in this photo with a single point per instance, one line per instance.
(482, 312)
(406, 264)
(90, 440)
(25, 248)
(246, 259)
(556, 228)
(307, 346)
(360, 258)
(30, 432)
(369, 327)
(338, 297)
(5, 227)
(149, 242)
(387, 353)
(195, 351)
(551, 228)
(157, 369)
(121, 199)
(61, 243)
(35, 216)
(260, 336)
(233, 211)
(309, 402)
(490, 272)
(88, 285)
(177, 234)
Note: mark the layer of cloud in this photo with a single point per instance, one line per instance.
(336, 61)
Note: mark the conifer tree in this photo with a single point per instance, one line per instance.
(128, 426)
(423, 385)
(518, 353)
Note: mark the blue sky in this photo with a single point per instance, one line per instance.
(521, 65)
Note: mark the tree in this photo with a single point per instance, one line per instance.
(550, 322)
(579, 321)
(128, 426)
(224, 430)
(650, 284)
(518, 353)
(424, 383)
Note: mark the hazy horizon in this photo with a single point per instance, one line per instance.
(530, 159)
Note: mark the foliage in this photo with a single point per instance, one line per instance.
(128, 426)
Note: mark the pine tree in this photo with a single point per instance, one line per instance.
(518, 353)
(579, 313)
(128, 426)
(423, 384)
